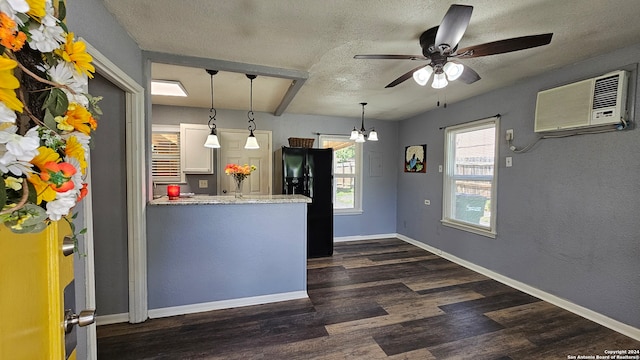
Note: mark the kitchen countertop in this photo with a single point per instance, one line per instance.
(231, 200)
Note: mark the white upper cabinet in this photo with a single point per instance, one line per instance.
(196, 159)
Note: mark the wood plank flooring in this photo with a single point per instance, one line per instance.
(379, 299)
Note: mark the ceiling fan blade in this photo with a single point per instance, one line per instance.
(453, 26)
(404, 77)
(391, 57)
(504, 46)
(469, 76)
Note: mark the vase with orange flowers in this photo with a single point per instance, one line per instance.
(239, 173)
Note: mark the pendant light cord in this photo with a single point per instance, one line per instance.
(252, 123)
(212, 111)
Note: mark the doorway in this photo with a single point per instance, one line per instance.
(232, 151)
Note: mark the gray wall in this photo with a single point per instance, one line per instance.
(90, 20)
(567, 211)
(379, 202)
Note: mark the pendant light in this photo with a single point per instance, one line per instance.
(252, 142)
(359, 135)
(212, 139)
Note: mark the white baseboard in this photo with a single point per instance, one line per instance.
(603, 320)
(364, 237)
(112, 319)
(225, 304)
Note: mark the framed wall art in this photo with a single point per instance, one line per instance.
(415, 158)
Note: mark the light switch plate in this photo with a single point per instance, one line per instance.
(509, 161)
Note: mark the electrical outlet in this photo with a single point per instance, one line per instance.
(439, 168)
(203, 184)
(509, 135)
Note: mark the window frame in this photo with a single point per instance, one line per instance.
(163, 129)
(358, 177)
(449, 179)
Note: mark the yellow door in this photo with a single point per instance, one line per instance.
(33, 275)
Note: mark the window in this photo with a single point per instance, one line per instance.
(165, 154)
(347, 173)
(469, 195)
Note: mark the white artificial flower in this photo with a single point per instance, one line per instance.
(7, 115)
(12, 7)
(61, 206)
(9, 164)
(46, 38)
(63, 73)
(24, 148)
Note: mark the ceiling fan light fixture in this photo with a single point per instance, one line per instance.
(453, 70)
(422, 76)
(439, 81)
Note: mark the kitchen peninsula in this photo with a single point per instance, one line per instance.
(211, 252)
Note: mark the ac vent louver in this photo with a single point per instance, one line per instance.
(605, 93)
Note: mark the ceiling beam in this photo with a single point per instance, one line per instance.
(297, 77)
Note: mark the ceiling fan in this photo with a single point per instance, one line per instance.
(440, 43)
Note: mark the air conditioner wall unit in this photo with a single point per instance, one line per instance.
(593, 102)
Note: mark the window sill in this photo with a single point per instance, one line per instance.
(471, 229)
(347, 212)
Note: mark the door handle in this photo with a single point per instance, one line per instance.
(86, 317)
(68, 246)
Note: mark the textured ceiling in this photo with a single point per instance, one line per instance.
(320, 38)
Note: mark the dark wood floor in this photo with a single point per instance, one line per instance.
(382, 299)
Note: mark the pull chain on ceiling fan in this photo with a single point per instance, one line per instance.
(440, 43)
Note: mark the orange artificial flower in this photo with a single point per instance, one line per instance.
(58, 175)
(83, 192)
(80, 118)
(10, 37)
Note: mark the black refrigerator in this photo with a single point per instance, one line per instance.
(309, 172)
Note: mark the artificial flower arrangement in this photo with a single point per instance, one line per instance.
(239, 172)
(46, 117)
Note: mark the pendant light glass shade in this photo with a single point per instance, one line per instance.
(439, 81)
(422, 76)
(212, 141)
(453, 70)
(360, 138)
(354, 134)
(373, 135)
(252, 142)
